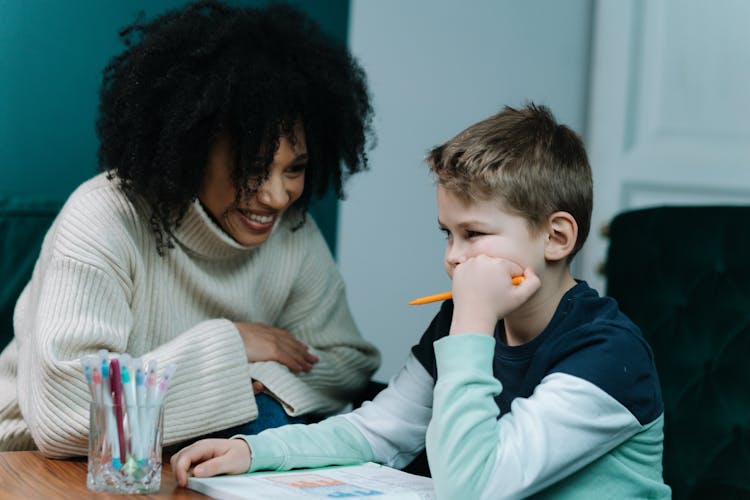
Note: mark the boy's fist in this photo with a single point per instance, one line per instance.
(484, 292)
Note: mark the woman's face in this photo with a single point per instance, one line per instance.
(250, 224)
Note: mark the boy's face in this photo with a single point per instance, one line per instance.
(484, 228)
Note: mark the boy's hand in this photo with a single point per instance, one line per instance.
(211, 457)
(266, 343)
(483, 293)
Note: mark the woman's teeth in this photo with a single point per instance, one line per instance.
(261, 219)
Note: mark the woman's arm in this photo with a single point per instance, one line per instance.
(317, 314)
(75, 309)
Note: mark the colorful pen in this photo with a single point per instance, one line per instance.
(88, 362)
(517, 280)
(116, 385)
(106, 399)
(140, 398)
(129, 391)
(96, 381)
(150, 384)
(164, 383)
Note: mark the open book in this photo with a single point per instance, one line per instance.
(350, 481)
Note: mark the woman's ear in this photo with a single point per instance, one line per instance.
(562, 233)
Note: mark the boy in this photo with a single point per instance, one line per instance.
(543, 387)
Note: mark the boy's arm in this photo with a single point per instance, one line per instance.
(390, 430)
(566, 424)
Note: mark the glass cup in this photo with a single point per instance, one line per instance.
(125, 445)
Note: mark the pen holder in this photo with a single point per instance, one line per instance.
(125, 445)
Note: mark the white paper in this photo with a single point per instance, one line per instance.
(367, 480)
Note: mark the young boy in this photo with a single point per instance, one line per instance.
(541, 387)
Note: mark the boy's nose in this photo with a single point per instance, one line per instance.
(454, 255)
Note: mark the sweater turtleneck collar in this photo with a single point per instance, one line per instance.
(199, 234)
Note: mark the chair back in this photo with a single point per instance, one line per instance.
(23, 223)
(682, 274)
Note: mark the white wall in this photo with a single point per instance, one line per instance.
(435, 67)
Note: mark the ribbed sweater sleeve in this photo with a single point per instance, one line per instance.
(79, 301)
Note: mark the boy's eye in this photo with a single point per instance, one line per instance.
(473, 234)
(445, 232)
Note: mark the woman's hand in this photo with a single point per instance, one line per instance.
(209, 457)
(266, 343)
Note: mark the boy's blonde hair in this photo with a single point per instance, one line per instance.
(524, 159)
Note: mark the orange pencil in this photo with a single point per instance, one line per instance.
(517, 280)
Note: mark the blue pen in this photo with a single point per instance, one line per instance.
(128, 389)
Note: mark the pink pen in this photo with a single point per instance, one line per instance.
(96, 384)
(164, 383)
(151, 382)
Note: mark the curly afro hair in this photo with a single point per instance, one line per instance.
(208, 69)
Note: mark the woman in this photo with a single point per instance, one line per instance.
(216, 126)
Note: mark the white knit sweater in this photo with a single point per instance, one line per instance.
(99, 283)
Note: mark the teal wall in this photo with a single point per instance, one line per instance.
(52, 54)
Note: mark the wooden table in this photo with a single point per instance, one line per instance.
(28, 475)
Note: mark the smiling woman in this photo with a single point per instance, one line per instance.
(217, 126)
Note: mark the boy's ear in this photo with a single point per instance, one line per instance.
(562, 233)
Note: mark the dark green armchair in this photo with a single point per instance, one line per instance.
(683, 275)
(24, 221)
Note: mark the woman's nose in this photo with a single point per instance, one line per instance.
(273, 193)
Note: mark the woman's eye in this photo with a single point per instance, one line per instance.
(297, 169)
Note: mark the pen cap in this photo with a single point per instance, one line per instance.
(104, 358)
(167, 377)
(125, 368)
(88, 362)
(138, 369)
